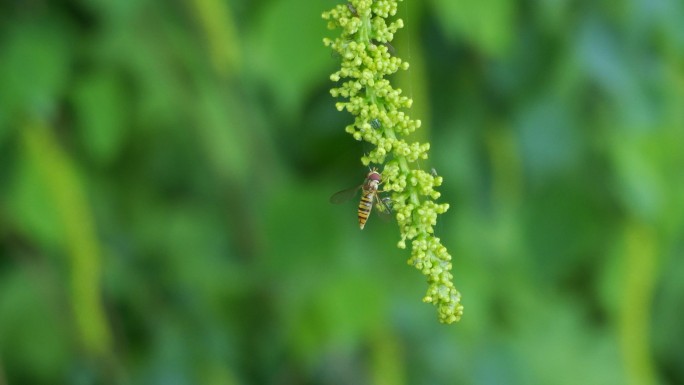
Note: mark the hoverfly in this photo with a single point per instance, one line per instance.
(352, 9)
(390, 47)
(369, 196)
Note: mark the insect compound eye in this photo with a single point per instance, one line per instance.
(374, 176)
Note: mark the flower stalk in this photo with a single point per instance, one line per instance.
(366, 61)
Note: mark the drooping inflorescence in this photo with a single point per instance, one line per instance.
(366, 60)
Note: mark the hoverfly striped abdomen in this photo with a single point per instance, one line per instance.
(370, 191)
(365, 207)
(369, 197)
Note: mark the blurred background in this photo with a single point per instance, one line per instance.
(165, 169)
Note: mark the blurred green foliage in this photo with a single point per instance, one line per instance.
(165, 169)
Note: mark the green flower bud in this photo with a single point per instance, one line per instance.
(381, 120)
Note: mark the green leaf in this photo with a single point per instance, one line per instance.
(286, 50)
(31, 335)
(30, 208)
(34, 68)
(101, 115)
(486, 23)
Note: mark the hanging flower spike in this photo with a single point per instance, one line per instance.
(364, 50)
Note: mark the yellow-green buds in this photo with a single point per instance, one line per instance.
(364, 50)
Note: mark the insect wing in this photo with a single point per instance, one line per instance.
(352, 9)
(387, 204)
(384, 207)
(344, 195)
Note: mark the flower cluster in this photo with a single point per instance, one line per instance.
(366, 60)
